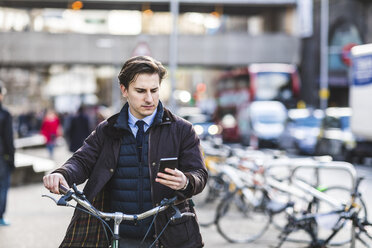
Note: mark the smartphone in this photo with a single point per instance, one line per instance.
(167, 163)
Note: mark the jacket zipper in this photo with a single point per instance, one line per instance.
(149, 161)
(140, 175)
(151, 175)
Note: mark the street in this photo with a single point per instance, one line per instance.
(38, 223)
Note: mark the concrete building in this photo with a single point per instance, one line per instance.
(244, 32)
(41, 38)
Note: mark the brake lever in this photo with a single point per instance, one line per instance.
(63, 201)
(50, 197)
(179, 215)
(168, 201)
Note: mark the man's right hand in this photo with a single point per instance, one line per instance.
(52, 182)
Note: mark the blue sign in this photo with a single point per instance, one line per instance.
(362, 70)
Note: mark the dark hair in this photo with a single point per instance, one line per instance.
(138, 65)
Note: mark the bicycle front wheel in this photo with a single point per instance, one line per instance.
(342, 194)
(240, 220)
(206, 201)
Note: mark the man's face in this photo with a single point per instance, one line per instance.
(142, 95)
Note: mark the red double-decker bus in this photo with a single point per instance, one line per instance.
(237, 88)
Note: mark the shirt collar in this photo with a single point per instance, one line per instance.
(123, 121)
(148, 119)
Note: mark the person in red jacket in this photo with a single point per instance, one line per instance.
(50, 129)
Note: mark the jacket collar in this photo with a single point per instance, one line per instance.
(122, 119)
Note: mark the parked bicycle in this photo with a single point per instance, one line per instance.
(257, 197)
(352, 214)
(218, 158)
(245, 214)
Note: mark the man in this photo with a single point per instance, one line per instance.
(121, 162)
(6, 155)
(78, 129)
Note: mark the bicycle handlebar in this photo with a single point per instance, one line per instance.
(117, 217)
(79, 197)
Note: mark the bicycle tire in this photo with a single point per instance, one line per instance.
(344, 236)
(279, 220)
(206, 201)
(238, 221)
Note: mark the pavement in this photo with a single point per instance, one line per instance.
(37, 222)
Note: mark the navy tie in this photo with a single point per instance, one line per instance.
(139, 138)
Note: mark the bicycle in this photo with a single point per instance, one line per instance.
(243, 196)
(79, 197)
(218, 159)
(258, 199)
(217, 185)
(349, 213)
(249, 203)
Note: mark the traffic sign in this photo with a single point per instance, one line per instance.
(141, 49)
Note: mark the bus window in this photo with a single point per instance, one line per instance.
(273, 85)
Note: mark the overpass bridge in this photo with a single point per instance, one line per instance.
(21, 49)
(223, 49)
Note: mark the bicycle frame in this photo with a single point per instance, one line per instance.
(307, 221)
(243, 179)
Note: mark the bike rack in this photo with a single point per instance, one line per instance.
(334, 165)
(319, 164)
(295, 164)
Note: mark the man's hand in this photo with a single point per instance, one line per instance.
(52, 182)
(173, 179)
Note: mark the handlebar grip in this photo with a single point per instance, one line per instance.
(179, 216)
(188, 214)
(63, 190)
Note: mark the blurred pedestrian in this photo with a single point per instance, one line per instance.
(78, 129)
(51, 129)
(120, 161)
(6, 155)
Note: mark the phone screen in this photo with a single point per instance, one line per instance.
(167, 163)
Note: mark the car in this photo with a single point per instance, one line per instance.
(267, 123)
(335, 138)
(302, 130)
(202, 123)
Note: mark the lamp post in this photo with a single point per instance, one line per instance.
(173, 50)
(324, 22)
